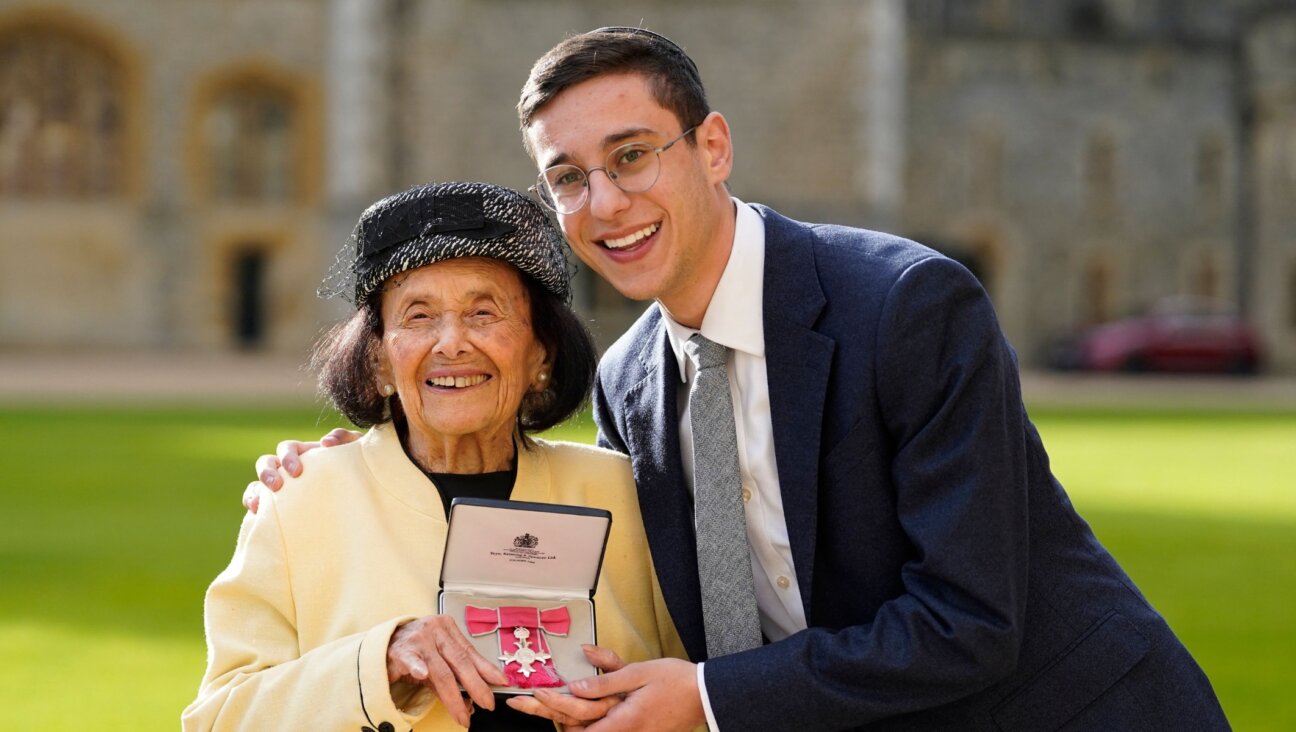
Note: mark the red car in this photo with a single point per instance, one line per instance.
(1177, 335)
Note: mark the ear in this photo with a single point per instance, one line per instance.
(716, 146)
(382, 370)
(540, 364)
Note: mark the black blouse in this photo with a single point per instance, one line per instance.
(479, 485)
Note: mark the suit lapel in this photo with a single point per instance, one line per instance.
(652, 435)
(797, 363)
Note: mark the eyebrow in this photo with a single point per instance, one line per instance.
(471, 296)
(608, 141)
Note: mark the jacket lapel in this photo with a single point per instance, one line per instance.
(797, 363)
(652, 436)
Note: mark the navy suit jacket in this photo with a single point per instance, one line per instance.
(947, 581)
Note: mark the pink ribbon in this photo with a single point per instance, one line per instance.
(508, 619)
(483, 620)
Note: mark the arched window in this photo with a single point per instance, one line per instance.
(247, 304)
(62, 133)
(248, 141)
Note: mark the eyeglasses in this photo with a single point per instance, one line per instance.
(633, 168)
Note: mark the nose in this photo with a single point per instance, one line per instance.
(606, 199)
(451, 337)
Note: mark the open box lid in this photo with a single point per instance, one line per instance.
(531, 548)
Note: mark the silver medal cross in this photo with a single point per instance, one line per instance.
(525, 655)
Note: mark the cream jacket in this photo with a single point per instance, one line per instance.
(298, 624)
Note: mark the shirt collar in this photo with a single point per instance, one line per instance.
(734, 317)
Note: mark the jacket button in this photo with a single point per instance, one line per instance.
(746, 493)
(783, 582)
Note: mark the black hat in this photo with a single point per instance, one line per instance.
(435, 222)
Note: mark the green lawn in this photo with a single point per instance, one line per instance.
(1200, 509)
(113, 521)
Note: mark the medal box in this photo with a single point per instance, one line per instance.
(518, 579)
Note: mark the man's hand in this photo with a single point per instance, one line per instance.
(287, 458)
(569, 710)
(655, 695)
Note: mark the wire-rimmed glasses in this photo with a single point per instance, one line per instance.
(633, 168)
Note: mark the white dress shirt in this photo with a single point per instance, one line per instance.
(734, 319)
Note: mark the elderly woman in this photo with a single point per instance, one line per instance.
(460, 346)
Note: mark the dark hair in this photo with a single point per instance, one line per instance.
(672, 75)
(346, 359)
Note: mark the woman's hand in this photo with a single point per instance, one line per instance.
(287, 458)
(571, 711)
(432, 652)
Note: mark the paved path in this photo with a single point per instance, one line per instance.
(224, 378)
(149, 378)
(1044, 388)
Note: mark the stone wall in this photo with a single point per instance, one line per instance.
(1036, 158)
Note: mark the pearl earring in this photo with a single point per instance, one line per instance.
(543, 376)
(388, 389)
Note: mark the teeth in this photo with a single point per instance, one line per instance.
(626, 241)
(457, 382)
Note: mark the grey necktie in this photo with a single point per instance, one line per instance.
(729, 612)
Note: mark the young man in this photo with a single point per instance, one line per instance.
(914, 565)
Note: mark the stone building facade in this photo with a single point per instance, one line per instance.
(159, 173)
(179, 174)
(1092, 158)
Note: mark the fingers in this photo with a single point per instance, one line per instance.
(604, 659)
(486, 669)
(339, 436)
(289, 453)
(433, 652)
(461, 664)
(405, 664)
(617, 682)
(563, 709)
(407, 661)
(569, 710)
(662, 694)
(443, 683)
(529, 705)
(271, 469)
(252, 496)
(267, 469)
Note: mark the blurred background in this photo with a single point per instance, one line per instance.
(177, 175)
(191, 168)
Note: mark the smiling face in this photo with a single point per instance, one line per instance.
(669, 243)
(459, 346)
